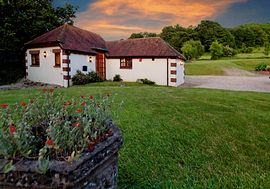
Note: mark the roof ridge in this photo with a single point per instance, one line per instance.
(134, 39)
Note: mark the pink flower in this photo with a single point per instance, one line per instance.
(79, 110)
(91, 97)
(83, 104)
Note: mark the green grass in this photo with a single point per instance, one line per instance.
(217, 67)
(186, 138)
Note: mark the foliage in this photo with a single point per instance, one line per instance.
(228, 51)
(266, 48)
(192, 49)
(246, 49)
(209, 31)
(147, 81)
(176, 35)
(261, 67)
(216, 50)
(81, 79)
(20, 22)
(117, 77)
(142, 35)
(93, 77)
(50, 127)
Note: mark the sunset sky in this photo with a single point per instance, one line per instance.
(116, 19)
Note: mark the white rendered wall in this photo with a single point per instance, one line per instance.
(77, 61)
(45, 72)
(154, 70)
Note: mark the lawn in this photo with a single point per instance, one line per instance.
(217, 67)
(186, 138)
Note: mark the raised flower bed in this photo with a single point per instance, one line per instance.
(51, 143)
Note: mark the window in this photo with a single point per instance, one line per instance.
(35, 59)
(57, 59)
(84, 68)
(126, 63)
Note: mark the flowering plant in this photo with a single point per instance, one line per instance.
(48, 127)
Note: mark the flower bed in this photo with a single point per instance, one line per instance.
(48, 142)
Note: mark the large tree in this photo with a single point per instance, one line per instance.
(209, 31)
(176, 35)
(20, 22)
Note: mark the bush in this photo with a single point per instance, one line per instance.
(261, 67)
(147, 81)
(117, 77)
(93, 77)
(228, 51)
(81, 79)
(192, 49)
(246, 50)
(216, 50)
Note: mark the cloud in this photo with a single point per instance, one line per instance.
(115, 19)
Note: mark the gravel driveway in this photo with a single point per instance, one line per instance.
(237, 83)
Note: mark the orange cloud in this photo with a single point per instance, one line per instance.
(120, 18)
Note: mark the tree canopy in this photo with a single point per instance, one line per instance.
(20, 22)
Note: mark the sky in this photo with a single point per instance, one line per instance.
(118, 19)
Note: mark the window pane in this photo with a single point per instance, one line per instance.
(57, 59)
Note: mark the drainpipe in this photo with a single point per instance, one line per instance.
(68, 70)
(167, 71)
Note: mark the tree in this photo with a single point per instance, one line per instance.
(209, 31)
(20, 22)
(216, 50)
(142, 35)
(266, 48)
(192, 49)
(176, 35)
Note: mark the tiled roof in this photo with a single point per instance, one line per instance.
(71, 38)
(143, 47)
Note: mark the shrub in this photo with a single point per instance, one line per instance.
(81, 79)
(216, 50)
(246, 50)
(261, 67)
(93, 77)
(48, 127)
(268, 68)
(117, 77)
(147, 81)
(192, 49)
(228, 51)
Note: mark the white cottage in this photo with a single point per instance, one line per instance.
(55, 57)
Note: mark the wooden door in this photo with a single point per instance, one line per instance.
(101, 65)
